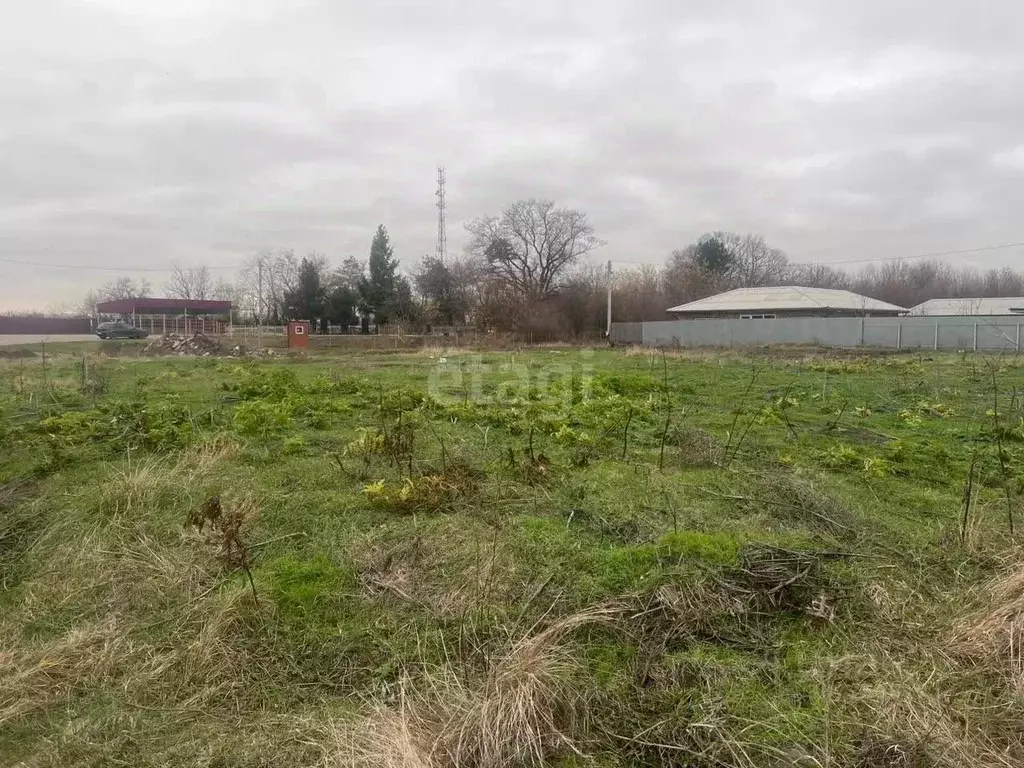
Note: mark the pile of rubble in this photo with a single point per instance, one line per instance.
(239, 351)
(197, 345)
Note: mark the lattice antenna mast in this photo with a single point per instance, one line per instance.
(442, 234)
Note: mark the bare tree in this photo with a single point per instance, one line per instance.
(119, 288)
(639, 294)
(755, 263)
(468, 277)
(263, 283)
(695, 272)
(193, 283)
(816, 276)
(223, 291)
(531, 245)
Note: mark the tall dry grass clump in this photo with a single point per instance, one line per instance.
(389, 737)
(519, 713)
(919, 712)
(993, 634)
(141, 485)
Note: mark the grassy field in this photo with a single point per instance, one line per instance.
(548, 557)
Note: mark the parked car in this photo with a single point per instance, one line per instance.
(119, 330)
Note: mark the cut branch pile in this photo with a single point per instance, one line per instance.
(773, 578)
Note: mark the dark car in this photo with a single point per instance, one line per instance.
(120, 330)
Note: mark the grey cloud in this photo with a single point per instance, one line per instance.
(203, 132)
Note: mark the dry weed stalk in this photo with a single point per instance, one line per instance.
(225, 530)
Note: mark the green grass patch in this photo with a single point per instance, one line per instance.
(711, 559)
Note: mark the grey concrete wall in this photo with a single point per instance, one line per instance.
(628, 333)
(944, 333)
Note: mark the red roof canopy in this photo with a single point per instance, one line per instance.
(163, 307)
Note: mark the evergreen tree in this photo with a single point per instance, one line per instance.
(306, 301)
(401, 305)
(436, 283)
(712, 255)
(377, 289)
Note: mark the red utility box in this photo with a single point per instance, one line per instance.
(298, 334)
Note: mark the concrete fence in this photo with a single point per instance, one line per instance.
(11, 325)
(939, 333)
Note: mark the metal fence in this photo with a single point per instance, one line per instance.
(938, 333)
(162, 325)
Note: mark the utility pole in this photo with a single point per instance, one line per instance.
(608, 332)
(259, 303)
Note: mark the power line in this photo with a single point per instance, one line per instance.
(934, 255)
(876, 259)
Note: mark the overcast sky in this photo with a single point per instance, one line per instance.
(137, 132)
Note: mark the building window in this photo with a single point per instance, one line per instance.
(757, 317)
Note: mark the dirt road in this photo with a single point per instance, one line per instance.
(13, 341)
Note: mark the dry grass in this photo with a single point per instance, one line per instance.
(139, 486)
(386, 738)
(450, 568)
(30, 679)
(922, 710)
(788, 496)
(195, 663)
(114, 578)
(993, 634)
(921, 692)
(519, 713)
(696, 447)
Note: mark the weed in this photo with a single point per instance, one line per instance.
(875, 466)
(225, 532)
(261, 419)
(842, 456)
(426, 493)
(369, 443)
(295, 445)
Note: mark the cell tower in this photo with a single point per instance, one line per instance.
(442, 235)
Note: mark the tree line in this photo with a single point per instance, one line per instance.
(526, 270)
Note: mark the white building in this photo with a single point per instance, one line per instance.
(1003, 306)
(785, 301)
